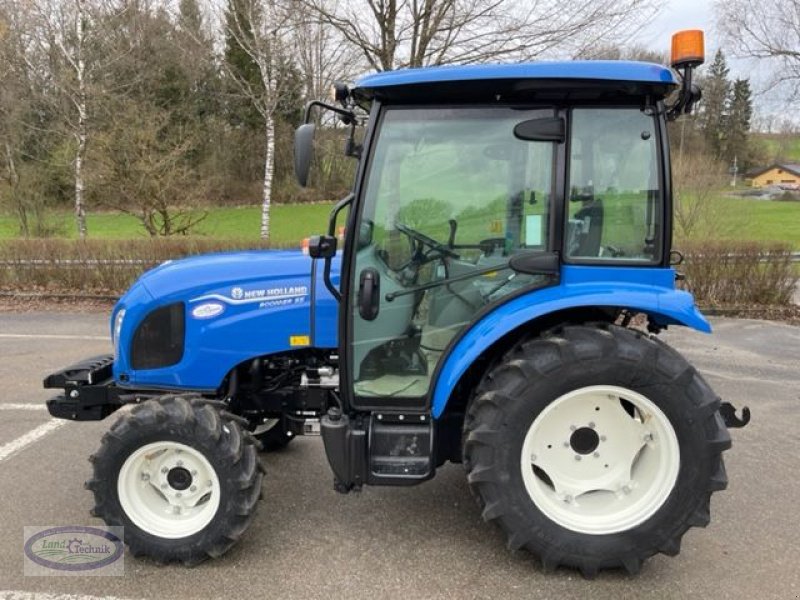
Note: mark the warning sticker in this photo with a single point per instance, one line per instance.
(299, 340)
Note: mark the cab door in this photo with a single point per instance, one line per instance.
(448, 196)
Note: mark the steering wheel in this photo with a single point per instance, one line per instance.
(425, 240)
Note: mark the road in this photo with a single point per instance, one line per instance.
(424, 542)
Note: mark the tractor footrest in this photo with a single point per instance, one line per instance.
(399, 449)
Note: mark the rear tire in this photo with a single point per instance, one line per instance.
(595, 447)
(182, 477)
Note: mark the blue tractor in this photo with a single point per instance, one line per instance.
(507, 226)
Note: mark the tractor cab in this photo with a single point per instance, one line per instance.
(479, 184)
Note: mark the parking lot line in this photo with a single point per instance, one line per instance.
(51, 336)
(25, 406)
(14, 446)
(22, 595)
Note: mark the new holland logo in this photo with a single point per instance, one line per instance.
(265, 297)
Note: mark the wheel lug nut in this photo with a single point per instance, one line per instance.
(179, 463)
(193, 488)
(596, 455)
(602, 438)
(626, 489)
(568, 499)
(163, 486)
(145, 476)
(591, 424)
(578, 457)
(194, 473)
(533, 458)
(566, 444)
(176, 510)
(572, 428)
(209, 484)
(164, 470)
(648, 437)
(178, 495)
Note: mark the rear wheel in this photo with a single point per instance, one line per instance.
(595, 447)
(181, 476)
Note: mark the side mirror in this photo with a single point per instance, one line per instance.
(322, 246)
(303, 152)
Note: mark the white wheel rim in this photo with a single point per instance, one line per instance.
(154, 493)
(608, 471)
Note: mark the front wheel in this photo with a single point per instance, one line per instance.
(180, 475)
(595, 447)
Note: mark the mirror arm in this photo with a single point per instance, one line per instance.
(326, 278)
(348, 116)
(336, 210)
(326, 273)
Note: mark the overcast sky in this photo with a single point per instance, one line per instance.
(677, 15)
(699, 14)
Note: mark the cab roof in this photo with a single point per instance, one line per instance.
(589, 79)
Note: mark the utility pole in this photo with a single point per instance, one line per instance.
(734, 171)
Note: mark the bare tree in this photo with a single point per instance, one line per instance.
(323, 55)
(700, 214)
(262, 30)
(60, 32)
(412, 33)
(143, 169)
(765, 29)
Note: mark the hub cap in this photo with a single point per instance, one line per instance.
(168, 489)
(600, 460)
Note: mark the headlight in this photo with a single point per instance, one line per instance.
(117, 330)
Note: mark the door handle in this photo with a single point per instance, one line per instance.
(369, 294)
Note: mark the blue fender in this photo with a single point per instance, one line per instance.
(642, 289)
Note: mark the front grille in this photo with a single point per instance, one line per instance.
(158, 341)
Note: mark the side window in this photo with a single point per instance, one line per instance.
(614, 202)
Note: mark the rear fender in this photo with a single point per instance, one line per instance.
(646, 290)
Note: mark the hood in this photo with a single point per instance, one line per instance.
(212, 273)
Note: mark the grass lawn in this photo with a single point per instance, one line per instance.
(790, 153)
(741, 219)
(289, 223)
(760, 220)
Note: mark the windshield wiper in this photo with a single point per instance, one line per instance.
(433, 284)
(540, 263)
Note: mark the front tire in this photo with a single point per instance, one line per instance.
(181, 476)
(595, 447)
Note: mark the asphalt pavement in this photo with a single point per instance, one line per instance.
(307, 541)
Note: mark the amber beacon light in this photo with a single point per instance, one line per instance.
(688, 48)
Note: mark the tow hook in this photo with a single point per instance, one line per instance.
(728, 412)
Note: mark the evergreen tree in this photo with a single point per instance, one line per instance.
(241, 112)
(739, 114)
(712, 114)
